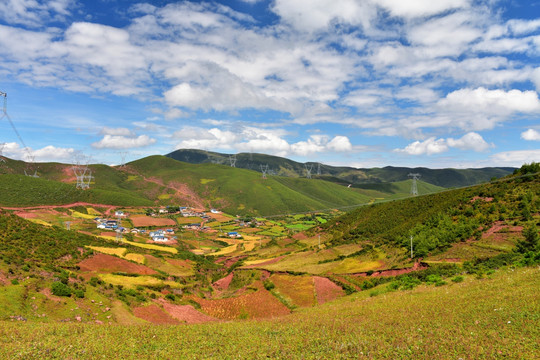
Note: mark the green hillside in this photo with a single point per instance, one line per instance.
(437, 221)
(159, 180)
(342, 175)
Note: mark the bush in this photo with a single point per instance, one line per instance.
(79, 293)
(60, 289)
(457, 279)
(268, 285)
(170, 297)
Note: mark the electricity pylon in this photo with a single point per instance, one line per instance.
(83, 174)
(232, 159)
(264, 170)
(414, 188)
(308, 170)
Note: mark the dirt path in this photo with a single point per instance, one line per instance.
(50, 207)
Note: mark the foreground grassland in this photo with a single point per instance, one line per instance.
(493, 317)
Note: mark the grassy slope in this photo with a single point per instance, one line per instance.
(240, 191)
(156, 179)
(287, 167)
(491, 318)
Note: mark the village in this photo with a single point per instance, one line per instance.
(167, 225)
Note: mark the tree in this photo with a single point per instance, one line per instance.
(60, 289)
(531, 239)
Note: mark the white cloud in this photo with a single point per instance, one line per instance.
(314, 15)
(531, 135)
(340, 144)
(34, 12)
(117, 131)
(515, 158)
(492, 101)
(536, 78)
(123, 142)
(419, 8)
(469, 141)
(46, 154)
(429, 146)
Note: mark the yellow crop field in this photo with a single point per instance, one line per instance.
(226, 250)
(39, 221)
(119, 251)
(92, 211)
(152, 247)
(139, 258)
(133, 281)
(81, 215)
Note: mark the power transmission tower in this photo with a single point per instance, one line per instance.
(308, 170)
(232, 159)
(2, 145)
(28, 153)
(119, 229)
(123, 156)
(264, 170)
(414, 188)
(83, 174)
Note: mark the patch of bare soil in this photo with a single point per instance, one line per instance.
(154, 314)
(47, 292)
(185, 313)
(143, 220)
(108, 264)
(223, 284)
(326, 290)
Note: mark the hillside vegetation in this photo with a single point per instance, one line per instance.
(341, 174)
(496, 317)
(159, 180)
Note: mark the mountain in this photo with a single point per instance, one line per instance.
(160, 180)
(340, 174)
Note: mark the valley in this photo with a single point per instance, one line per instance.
(183, 244)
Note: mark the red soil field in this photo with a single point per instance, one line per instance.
(326, 290)
(223, 284)
(154, 314)
(108, 264)
(185, 313)
(255, 305)
(151, 221)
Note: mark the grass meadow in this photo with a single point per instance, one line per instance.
(495, 317)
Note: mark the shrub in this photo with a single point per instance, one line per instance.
(170, 297)
(457, 279)
(268, 285)
(79, 293)
(60, 289)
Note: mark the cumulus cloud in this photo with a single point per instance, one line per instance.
(430, 146)
(470, 141)
(123, 142)
(46, 154)
(515, 158)
(492, 101)
(117, 131)
(531, 135)
(34, 12)
(252, 139)
(420, 8)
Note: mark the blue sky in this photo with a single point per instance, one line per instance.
(446, 83)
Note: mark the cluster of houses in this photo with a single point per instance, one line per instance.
(106, 224)
(161, 235)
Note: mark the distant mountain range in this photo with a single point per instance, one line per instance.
(361, 178)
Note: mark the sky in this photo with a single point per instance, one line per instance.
(362, 83)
